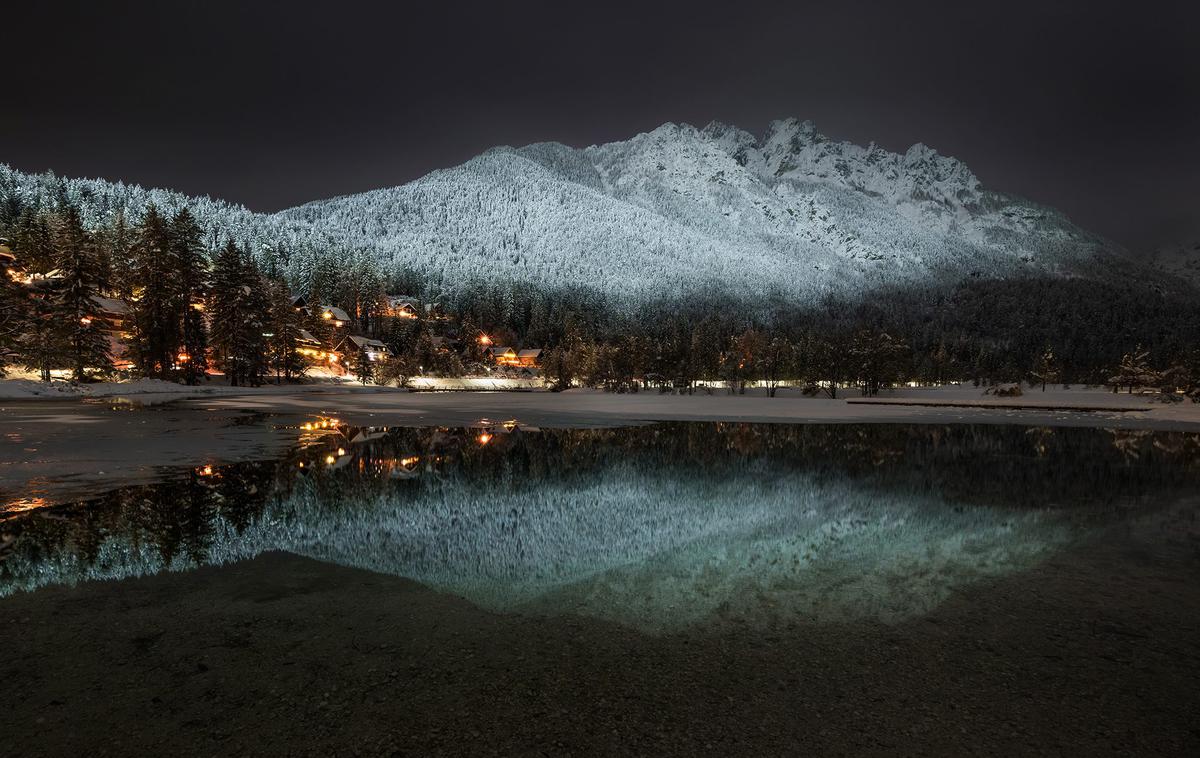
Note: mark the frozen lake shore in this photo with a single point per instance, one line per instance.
(70, 447)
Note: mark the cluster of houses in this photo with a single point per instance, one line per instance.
(332, 354)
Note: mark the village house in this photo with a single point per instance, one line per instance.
(443, 344)
(113, 316)
(310, 347)
(374, 349)
(334, 315)
(503, 356)
(300, 303)
(401, 306)
(529, 357)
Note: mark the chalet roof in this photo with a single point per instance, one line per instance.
(395, 300)
(111, 305)
(529, 352)
(306, 336)
(299, 301)
(337, 313)
(501, 351)
(367, 342)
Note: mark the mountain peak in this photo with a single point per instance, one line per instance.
(794, 132)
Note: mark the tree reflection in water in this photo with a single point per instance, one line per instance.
(658, 526)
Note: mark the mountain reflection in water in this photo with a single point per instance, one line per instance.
(660, 526)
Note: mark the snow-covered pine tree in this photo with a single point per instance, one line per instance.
(32, 240)
(187, 250)
(364, 370)
(239, 306)
(1046, 369)
(284, 326)
(156, 300)
(73, 297)
(14, 310)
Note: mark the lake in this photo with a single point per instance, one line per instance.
(979, 555)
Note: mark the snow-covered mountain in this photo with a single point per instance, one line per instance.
(789, 217)
(681, 210)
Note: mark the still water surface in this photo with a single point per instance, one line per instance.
(659, 527)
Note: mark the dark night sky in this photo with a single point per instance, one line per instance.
(1093, 107)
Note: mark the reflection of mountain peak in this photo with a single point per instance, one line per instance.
(634, 524)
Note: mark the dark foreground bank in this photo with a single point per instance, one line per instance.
(1094, 652)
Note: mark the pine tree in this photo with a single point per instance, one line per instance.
(40, 342)
(1046, 369)
(362, 366)
(14, 310)
(187, 251)
(239, 306)
(284, 326)
(157, 312)
(32, 240)
(1134, 371)
(74, 305)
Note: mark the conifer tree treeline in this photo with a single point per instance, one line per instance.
(160, 269)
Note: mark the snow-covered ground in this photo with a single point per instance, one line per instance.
(1077, 406)
(16, 389)
(24, 388)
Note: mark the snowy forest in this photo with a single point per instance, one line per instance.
(679, 257)
(194, 307)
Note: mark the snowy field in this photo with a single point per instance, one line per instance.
(941, 405)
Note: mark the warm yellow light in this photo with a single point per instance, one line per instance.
(484, 339)
(484, 438)
(184, 357)
(206, 471)
(341, 451)
(326, 315)
(330, 459)
(85, 321)
(301, 464)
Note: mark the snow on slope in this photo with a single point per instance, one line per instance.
(681, 209)
(292, 244)
(675, 211)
